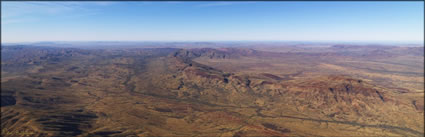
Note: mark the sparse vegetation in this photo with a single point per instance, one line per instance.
(334, 91)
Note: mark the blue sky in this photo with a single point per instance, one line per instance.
(212, 21)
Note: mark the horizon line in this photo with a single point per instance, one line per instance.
(362, 41)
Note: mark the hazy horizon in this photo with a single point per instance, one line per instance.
(218, 41)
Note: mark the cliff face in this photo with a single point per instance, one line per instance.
(323, 91)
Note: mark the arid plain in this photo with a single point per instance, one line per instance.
(256, 90)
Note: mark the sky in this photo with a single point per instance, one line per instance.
(212, 21)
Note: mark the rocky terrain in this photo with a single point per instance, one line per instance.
(342, 90)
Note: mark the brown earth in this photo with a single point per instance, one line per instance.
(211, 92)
